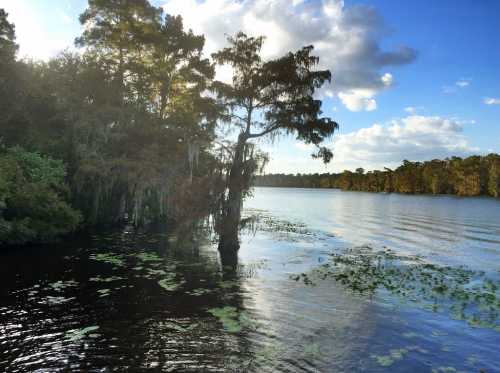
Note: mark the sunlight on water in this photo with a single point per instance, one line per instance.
(300, 302)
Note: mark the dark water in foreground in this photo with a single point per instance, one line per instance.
(128, 301)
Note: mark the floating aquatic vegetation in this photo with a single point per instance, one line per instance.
(106, 279)
(312, 350)
(61, 285)
(228, 316)
(232, 320)
(251, 269)
(179, 327)
(267, 356)
(227, 284)
(170, 283)
(111, 258)
(461, 292)
(55, 300)
(199, 292)
(393, 356)
(78, 334)
(155, 272)
(148, 257)
(104, 292)
(258, 220)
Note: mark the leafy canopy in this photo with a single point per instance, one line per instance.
(33, 195)
(274, 97)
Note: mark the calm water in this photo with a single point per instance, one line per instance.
(132, 301)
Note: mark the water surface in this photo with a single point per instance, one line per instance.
(136, 301)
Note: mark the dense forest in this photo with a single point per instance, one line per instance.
(471, 176)
(118, 130)
(128, 127)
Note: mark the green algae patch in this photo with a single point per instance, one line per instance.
(110, 258)
(75, 335)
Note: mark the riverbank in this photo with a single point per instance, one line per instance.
(472, 176)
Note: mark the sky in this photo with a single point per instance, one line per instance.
(414, 80)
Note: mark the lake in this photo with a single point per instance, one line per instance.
(328, 281)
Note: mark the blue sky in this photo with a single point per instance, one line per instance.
(411, 79)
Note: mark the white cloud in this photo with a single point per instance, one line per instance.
(491, 101)
(412, 110)
(414, 137)
(459, 84)
(359, 99)
(347, 39)
(462, 83)
(387, 79)
(33, 39)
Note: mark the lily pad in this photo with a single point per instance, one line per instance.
(111, 258)
(78, 334)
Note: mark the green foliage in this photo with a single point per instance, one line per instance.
(131, 120)
(8, 46)
(276, 96)
(472, 176)
(33, 196)
(127, 116)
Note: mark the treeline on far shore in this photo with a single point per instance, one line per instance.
(471, 176)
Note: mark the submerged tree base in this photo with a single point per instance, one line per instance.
(229, 256)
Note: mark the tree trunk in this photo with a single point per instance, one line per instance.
(231, 214)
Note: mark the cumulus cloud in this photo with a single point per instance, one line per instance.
(414, 137)
(359, 99)
(347, 39)
(491, 101)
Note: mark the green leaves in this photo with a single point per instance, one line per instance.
(276, 96)
(32, 198)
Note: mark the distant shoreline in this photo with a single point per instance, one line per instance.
(365, 191)
(464, 177)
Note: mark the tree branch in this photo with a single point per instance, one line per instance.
(265, 132)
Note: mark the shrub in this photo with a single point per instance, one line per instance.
(33, 198)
